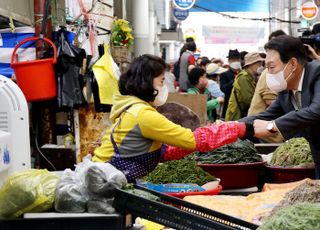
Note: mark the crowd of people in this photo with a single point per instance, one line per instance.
(270, 96)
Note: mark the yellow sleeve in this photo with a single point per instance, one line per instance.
(157, 127)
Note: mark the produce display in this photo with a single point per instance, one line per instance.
(298, 216)
(141, 193)
(294, 152)
(308, 191)
(179, 171)
(236, 153)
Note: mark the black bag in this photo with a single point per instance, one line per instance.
(69, 80)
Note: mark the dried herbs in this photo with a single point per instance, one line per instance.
(294, 152)
(179, 171)
(235, 153)
(306, 192)
(304, 216)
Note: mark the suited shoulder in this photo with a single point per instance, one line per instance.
(315, 64)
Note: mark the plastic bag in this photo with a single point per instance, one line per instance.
(100, 178)
(28, 191)
(71, 194)
(69, 81)
(101, 205)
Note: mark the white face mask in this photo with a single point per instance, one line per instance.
(235, 65)
(277, 82)
(162, 96)
(260, 70)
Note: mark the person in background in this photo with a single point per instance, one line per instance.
(217, 61)
(198, 61)
(243, 87)
(199, 80)
(169, 80)
(186, 60)
(263, 96)
(296, 111)
(140, 137)
(213, 71)
(242, 55)
(227, 78)
(204, 63)
(176, 65)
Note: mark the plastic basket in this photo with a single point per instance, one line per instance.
(176, 213)
(234, 176)
(120, 54)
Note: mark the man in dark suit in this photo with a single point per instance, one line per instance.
(296, 111)
(226, 79)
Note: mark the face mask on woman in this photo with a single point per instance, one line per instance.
(277, 82)
(162, 96)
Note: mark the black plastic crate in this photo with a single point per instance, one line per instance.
(176, 213)
(114, 222)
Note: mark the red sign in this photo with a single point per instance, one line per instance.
(309, 10)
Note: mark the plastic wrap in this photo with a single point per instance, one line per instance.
(28, 191)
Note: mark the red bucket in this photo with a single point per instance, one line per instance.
(36, 78)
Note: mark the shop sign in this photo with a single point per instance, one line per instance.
(184, 4)
(180, 14)
(309, 10)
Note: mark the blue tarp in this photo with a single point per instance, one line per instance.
(231, 6)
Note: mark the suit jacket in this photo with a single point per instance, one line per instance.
(304, 122)
(226, 83)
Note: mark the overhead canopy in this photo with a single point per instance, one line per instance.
(230, 6)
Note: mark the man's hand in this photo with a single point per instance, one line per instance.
(260, 128)
(312, 53)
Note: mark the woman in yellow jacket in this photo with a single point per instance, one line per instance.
(140, 136)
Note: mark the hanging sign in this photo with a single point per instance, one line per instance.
(309, 10)
(184, 4)
(180, 14)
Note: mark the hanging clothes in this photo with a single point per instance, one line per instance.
(107, 75)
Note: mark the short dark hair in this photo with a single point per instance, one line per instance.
(191, 46)
(189, 39)
(276, 33)
(204, 62)
(195, 74)
(288, 47)
(138, 79)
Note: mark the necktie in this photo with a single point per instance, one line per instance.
(297, 97)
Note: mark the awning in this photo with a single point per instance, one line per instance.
(230, 6)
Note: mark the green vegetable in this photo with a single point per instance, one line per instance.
(179, 171)
(143, 194)
(309, 191)
(235, 153)
(304, 216)
(294, 152)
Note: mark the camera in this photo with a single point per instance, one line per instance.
(311, 38)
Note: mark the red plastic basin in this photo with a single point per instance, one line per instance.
(276, 174)
(234, 176)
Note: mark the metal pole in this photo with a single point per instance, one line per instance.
(289, 9)
(270, 15)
